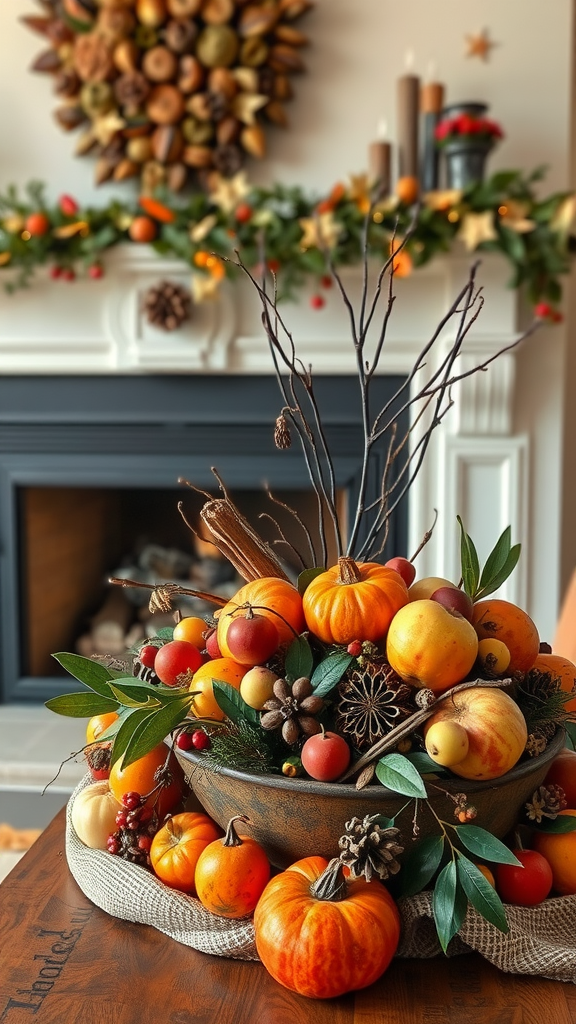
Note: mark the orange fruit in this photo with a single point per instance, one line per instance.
(502, 620)
(407, 189)
(37, 224)
(191, 629)
(142, 229)
(177, 846)
(562, 772)
(138, 777)
(225, 670)
(562, 669)
(487, 874)
(98, 724)
(559, 849)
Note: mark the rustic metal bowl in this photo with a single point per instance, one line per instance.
(294, 818)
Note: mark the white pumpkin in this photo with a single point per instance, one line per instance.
(94, 814)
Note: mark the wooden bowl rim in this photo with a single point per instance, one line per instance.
(378, 792)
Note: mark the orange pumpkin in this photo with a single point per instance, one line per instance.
(274, 598)
(318, 942)
(353, 601)
(231, 874)
(177, 846)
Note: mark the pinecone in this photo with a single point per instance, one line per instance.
(542, 701)
(372, 701)
(368, 849)
(536, 743)
(292, 709)
(546, 802)
(282, 436)
(227, 160)
(167, 305)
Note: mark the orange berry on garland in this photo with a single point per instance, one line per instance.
(142, 229)
(37, 224)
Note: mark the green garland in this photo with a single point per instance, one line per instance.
(296, 231)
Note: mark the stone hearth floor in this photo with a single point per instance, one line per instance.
(33, 742)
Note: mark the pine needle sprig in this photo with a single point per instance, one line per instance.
(240, 746)
(542, 700)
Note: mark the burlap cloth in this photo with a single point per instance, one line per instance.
(541, 940)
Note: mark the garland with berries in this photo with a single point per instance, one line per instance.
(299, 234)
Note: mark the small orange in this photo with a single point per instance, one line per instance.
(559, 849)
(487, 874)
(142, 229)
(225, 670)
(562, 669)
(37, 224)
(138, 777)
(98, 724)
(191, 629)
(177, 846)
(502, 620)
(407, 189)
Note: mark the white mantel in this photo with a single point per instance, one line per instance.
(481, 465)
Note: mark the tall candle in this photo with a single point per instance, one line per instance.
(379, 156)
(431, 103)
(408, 96)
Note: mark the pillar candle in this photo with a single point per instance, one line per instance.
(431, 103)
(408, 95)
(379, 154)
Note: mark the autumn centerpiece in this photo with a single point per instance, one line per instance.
(372, 733)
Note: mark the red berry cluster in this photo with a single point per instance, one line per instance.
(137, 825)
(197, 740)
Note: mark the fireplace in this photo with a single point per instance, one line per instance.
(82, 459)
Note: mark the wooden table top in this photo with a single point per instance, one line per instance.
(64, 961)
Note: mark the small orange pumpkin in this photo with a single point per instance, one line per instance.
(231, 874)
(274, 598)
(177, 846)
(322, 936)
(353, 601)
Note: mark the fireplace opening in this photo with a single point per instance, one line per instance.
(73, 539)
(88, 479)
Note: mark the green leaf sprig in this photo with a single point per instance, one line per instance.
(499, 565)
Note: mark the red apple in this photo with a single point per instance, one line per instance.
(212, 645)
(404, 567)
(252, 639)
(325, 756)
(454, 601)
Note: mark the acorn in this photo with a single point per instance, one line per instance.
(167, 143)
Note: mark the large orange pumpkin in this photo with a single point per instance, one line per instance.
(325, 941)
(270, 596)
(177, 846)
(353, 601)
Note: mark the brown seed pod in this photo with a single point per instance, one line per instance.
(139, 150)
(253, 52)
(221, 80)
(199, 106)
(153, 175)
(196, 132)
(309, 726)
(92, 57)
(290, 731)
(167, 143)
(217, 12)
(257, 20)
(48, 62)
(126, 56)
(69, 117)
(151, 13)
(165, 105)
(180, 36)
(197, 156)
(126, 169)
(227, 161)
(176, 176)
(253, 141)
(290, 35)
(227, 130)
(104, 170)
(275, 112)
(115, 23)
(191, 76)
(96, 98)
(285, 59)
(184, 8)
(159, 64)
(292, 9)
(247, 78)
(67, 84)
(301, 688)
(282, 88)
(131, 89)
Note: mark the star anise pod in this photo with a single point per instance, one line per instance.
(546, 802)
(368, 849)
(291, 710)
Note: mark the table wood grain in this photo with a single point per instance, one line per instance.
(64, 961)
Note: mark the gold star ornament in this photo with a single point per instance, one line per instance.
(320, 232)
(477, 228)
(479, 45)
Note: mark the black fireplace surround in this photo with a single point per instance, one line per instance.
(145, 432)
